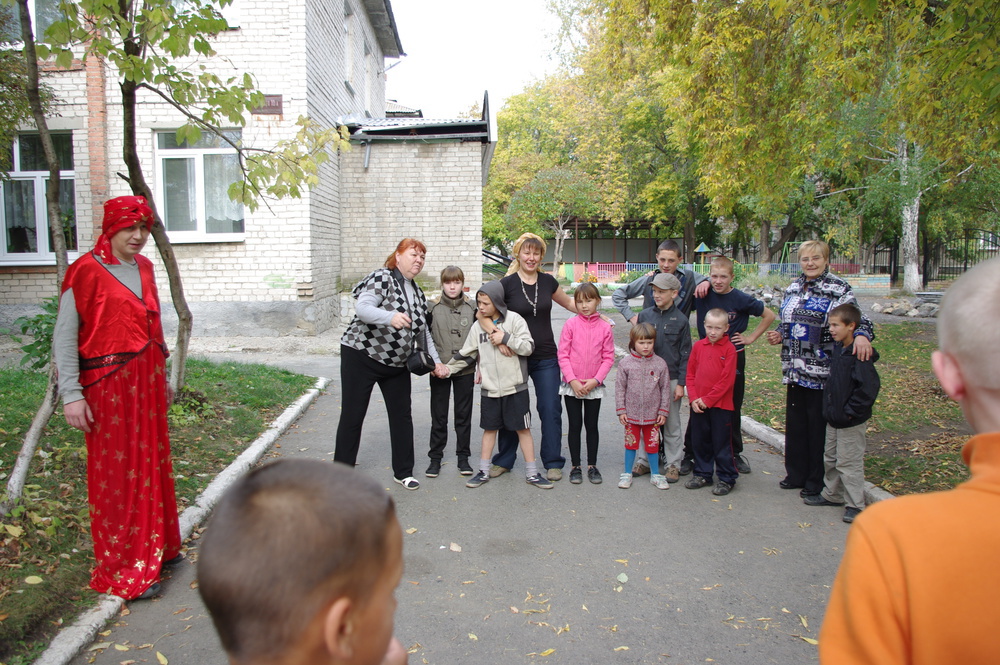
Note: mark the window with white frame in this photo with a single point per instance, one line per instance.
(27, 238)
(192, 187)
(43, 14)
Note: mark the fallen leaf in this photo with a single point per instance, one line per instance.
(98, 646)
(585, 608)
(621, 648)
(514, 609)
(121, 647)
(804, 525)
(469, 582)
(625, 561)
(412, 530)
(785, 610)
(413, 583)
(15, 531)
(415, 648)
(33, 579)
(161, 659)
(564, 629)
(771, 550)
(709, 588)
(547, 652)
(807, 639)
(455, 547)
(805, 623)
(473, 637)
(622, 577)
(105, 633)
(3, 616)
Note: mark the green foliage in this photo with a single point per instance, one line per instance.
(38, 352)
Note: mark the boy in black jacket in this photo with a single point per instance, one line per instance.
(848, 398)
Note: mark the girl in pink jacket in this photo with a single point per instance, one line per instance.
(586, 355)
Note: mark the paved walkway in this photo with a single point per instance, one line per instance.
(738, 579)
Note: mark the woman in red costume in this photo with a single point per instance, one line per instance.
(111, 357)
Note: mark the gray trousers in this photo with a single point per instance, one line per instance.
(844, 465)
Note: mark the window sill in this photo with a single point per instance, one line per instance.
(204, 238)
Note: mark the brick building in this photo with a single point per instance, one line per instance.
(281, 269)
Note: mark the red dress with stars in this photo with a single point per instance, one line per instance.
(133, 509)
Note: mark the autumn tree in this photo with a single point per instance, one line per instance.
(554, 198)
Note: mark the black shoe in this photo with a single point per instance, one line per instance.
(151, 592)
(464, 468)
(433, 469)
(820, 500)
(804, 493)
(697, 482)
(742, 465)
(687, 466)
(576, 475)
(850, 514)
(594, 476)
(786, 484)
(176, 560)
(722, 488)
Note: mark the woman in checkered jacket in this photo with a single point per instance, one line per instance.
(390, 315)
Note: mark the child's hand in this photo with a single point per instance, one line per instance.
(589, 385)
(578, 388)
(661, 421)
(479, 376)
(698, 406)
(622, 419)
(774, 336)
(678, 393)
(505, 350)
(701, 290)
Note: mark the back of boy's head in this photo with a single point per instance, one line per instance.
(586, 291)
(452, 274)
(639, 332)
(723, 262)
(968, 324)
(283, 543)
(848, 314)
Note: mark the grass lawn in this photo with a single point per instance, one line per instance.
(916, 433)
(45, 547)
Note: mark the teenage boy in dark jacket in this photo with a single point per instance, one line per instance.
(848, 398)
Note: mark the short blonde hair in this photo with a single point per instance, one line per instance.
(723, 262)
(968, 324)
(814, 245)
(718, 313)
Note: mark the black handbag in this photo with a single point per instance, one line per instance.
(419, 361)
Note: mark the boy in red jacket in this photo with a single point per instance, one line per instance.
(711, 374)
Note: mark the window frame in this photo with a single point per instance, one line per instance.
(200, 234)
(39, 178)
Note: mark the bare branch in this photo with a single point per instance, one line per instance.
(945, 182)
(839, 191)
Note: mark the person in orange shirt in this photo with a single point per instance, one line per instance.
(919, 580)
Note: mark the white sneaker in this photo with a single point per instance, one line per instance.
(409, 482)
(659, 481)
(625, 481)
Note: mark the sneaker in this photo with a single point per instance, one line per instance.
(409, 482)
(594, 476)
(673, 474)
(152, 591)
(640, 468)
(742, 465)
(553, 474)
(687, 466)
(464, 468)
(625, 481)
(540, 482)
(696, 482)
(478, 479)
(433, 469)
(820, 500)
(659, 481)
(722, 488)
(850, 514)
(497, 470)
(576, 475)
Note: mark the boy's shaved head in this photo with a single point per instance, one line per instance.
(968, 324)
(284, 542)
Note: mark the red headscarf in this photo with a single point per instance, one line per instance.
(120, 213)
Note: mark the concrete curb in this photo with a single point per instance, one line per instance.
(776, 440)
(71, 640)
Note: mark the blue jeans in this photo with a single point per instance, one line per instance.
(545, 375)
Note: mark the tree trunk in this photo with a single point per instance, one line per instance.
(912, 281)
(19, 474)
(786, 235)
(765, 242)
(137, 181)
(689, 238)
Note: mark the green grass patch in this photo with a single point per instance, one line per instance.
(222, 409)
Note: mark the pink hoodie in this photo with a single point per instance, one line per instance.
(586, 349)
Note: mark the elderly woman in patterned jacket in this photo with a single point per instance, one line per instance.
(390, 315)
(806, 349)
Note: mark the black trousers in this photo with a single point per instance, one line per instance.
(463, 387)
(358, 376)
(805, 438)
(583, 413)
(713, 444)
(739, 392)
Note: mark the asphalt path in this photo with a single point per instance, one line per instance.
(509, 573)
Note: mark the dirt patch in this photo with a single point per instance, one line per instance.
(923, 441)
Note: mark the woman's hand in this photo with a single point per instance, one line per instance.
(505, 350)
(496, 336)
(774, 337)
(400, 321)
(862, 348)
(79, 415)
(441, 371)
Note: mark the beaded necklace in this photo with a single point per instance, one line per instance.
(533, 303)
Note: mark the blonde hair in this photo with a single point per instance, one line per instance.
(968, 324)
(718, 313)
(723, 262)
(815, 245)
(533, 241)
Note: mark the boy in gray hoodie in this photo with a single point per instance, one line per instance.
(505, 402)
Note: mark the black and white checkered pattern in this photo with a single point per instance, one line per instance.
(385, 344)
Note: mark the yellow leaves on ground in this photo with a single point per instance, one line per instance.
(621, 649)
(33, 579)
(473, 637)
(807, 639)
(161, 659)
